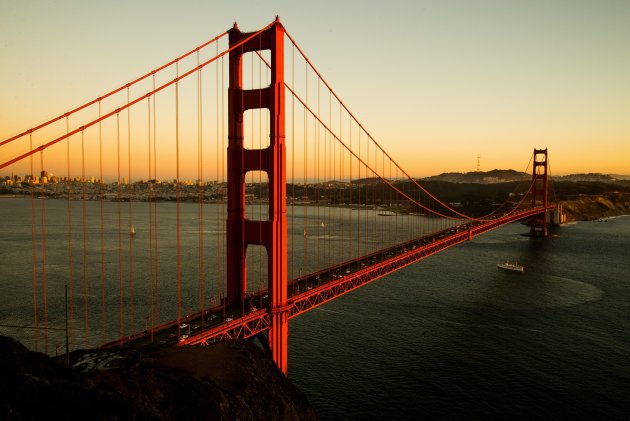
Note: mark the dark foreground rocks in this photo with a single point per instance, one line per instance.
(228, 381)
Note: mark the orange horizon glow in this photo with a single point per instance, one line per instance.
(514, 78)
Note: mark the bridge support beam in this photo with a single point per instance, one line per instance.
(272, 234)
(538, 223)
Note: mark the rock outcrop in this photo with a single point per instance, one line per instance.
(588, 208)
(229, 381)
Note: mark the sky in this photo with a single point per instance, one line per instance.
(436, 83)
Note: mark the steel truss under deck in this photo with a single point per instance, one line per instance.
(260, 320)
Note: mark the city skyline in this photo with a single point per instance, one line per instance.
(455, 80)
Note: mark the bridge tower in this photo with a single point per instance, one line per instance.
(538, 223)
(272, 233)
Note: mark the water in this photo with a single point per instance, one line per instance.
(125, 266)
(114, 278)
(453, 336)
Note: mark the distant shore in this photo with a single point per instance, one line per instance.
(576, 207)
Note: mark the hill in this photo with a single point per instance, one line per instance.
(588, 208)
(502, 176)
(494, 176)
(229, 381)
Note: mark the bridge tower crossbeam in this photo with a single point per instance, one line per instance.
(272, 233)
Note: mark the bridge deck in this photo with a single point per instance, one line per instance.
(307, 292)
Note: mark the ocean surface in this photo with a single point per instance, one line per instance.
(449, 337)
(454, 337)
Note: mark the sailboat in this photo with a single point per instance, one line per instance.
(322, 224)
(305, 233)
(132, 231)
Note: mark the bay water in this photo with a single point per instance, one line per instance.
(450, 336)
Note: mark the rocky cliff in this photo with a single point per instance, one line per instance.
(229, 381)
(588, 208)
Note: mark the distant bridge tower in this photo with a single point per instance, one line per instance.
(538, 223)
(272, 233)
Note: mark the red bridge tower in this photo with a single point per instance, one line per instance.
(272, 233)
(538, 223)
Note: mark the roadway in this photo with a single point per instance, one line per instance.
(252, 315)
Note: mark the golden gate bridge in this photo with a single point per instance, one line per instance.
(295, 203)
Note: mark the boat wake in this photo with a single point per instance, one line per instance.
(327, 311)
(487, 326)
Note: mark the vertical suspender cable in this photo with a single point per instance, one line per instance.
(331, 174)
(384, 221)
(395, 204)
(304, 269)
(200, 193)
(411, 209)
(350, 231)
(292, 236)
(388, 199)
(315, 142)
(426, 220)
(341, 188)
(44, 273)
(83, 200)
(376, 186)
(333, 144)
(156, 289)
(379, 187)
(222, 268)
(219, 214)
(260, 200)
(130, 192)
(326, 189)
(102, 231)
(118, 205)
(150, 186)
(33, 248)
(177, 204)
(359, 198)
(70, 274)
(317, 167)
(368, 187)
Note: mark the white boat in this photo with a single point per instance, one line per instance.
(132, 231)
(305, 235)
(322, 225)
(511, 266)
